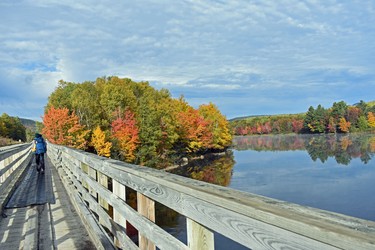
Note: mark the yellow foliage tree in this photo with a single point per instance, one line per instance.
(219, 125)
(98, 141)
(344, 125)
(371, 119)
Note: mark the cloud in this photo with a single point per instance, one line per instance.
(249, 57)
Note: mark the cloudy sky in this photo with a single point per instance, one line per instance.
(249, 57)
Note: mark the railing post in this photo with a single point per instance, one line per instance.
(199, 237)
(146, 207)
(92, 173)
(103, 180)
(120, 191)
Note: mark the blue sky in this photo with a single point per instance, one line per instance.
(247, 57)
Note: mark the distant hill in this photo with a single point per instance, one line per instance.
(370, 104)
(257, 116)
(30, 124)
(244, 117)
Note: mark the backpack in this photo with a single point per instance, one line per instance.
(40, 145)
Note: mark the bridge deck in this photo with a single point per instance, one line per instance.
(40, 215)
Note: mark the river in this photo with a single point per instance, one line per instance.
(330, 172)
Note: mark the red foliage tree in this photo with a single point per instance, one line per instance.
(297, 126)
(125, 132)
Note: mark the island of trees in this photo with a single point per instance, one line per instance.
(340, 118)
(131, 121)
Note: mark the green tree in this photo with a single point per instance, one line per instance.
(84, 102)
(117, 95)
(12, 127)
(61, 97)
(362, 123)
(316, 119)
(338, 110)
(362, 106)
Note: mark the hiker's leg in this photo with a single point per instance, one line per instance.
(42, 161)
(37, 160)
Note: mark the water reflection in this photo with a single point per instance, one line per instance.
(343, 148)
(302, 169)
(215, 168)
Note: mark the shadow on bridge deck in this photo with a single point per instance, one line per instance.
(40, 215)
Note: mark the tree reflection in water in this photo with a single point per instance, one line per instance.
(218, 169)
(342, 147)
(214, 168)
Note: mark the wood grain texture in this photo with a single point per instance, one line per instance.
(252, 220)
(198, 236)
(120, 191)
(145, 207)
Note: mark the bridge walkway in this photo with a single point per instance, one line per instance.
(39, 215)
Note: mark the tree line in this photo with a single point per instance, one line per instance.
(131, 121)
(340, 118)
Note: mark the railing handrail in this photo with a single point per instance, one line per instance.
(255, 221)
(13, 163)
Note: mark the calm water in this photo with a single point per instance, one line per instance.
(331, 172)
(295, 177)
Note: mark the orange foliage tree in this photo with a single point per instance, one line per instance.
(371, 119)
(63, 128)
(344, 125)
(125, 132)
(194, 130)
(99, 142)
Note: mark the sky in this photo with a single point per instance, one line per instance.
(249, 57)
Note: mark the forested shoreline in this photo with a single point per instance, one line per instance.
(340, 118)
(131, 121)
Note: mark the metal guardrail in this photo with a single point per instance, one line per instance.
(254, 221)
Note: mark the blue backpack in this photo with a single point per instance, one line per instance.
(40, 145)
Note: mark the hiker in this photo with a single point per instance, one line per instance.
(40, 147)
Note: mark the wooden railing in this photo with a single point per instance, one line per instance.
(13, 162)
(254, 221)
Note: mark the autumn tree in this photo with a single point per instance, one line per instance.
(352, 115)
(116, 94)
(194, 130)
(100, 143)
(125, 134)
(218, 125)
(344, 125)
(331, 127)
(77, 134)
(371, 119)
(63, 128)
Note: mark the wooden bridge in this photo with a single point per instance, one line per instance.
(80, 203)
